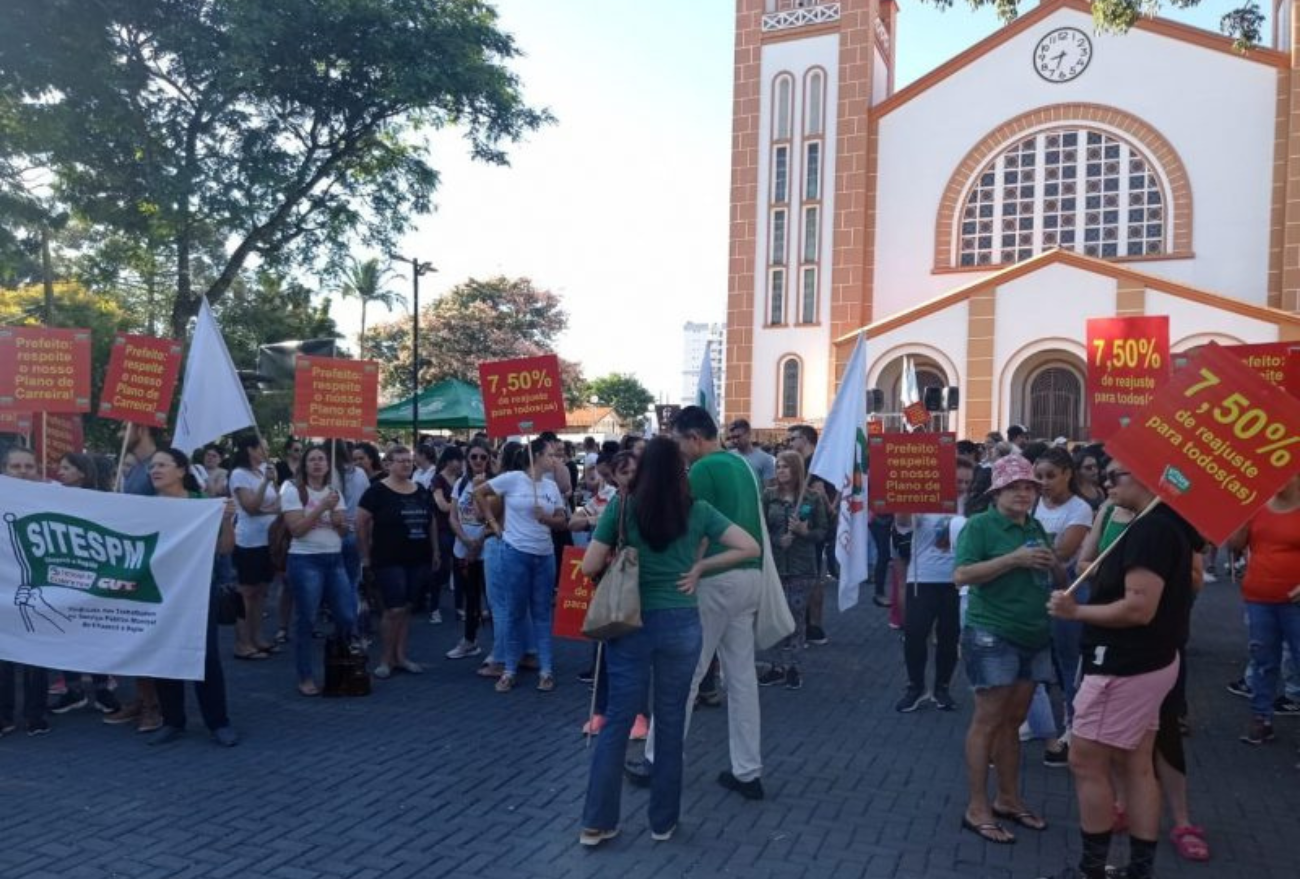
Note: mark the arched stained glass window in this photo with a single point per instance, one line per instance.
(1055, 403)
(790, 388)
(1075, 188)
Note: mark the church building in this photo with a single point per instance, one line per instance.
(974, 220)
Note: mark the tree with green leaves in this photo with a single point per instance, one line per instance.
(365, 281)
(480, 320)
(289, 131)
(1245, 24)
(623, 393)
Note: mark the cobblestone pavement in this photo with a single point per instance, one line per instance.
(439, 776)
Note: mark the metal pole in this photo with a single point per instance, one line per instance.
(415, 354)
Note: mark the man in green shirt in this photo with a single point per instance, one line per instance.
(728, 599)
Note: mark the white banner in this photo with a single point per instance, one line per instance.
(105, 583)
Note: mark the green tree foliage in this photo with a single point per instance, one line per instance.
(1244, 24)
(289, 131)
(365, 280)
(480, 320)
(624, 394)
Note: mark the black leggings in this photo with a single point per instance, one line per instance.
(931, 606)
(880, 536)
(469, 583)
(211, 691)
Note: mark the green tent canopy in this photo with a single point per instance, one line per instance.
(448, 405)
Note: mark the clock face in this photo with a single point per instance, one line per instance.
(1062, 54)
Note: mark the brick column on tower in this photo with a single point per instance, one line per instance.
(851, 280)
(1289, 299)
(744, 209)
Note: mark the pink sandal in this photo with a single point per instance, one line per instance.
(1190, 843)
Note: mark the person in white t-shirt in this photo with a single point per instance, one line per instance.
(1067, 519)
(314, 514)
(534, 507)
(467, 524)
(252, 484)
(933, 602)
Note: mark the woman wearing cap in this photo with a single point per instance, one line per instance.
(1005, 556)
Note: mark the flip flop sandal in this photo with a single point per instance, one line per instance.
(1190, 843)
(1025, 818)
(985, 831)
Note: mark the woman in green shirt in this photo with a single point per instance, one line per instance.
(1007, 559)
(669, 531)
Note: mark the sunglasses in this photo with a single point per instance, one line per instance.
(478, 457)
(1113, 476)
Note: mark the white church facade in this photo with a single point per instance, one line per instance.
(975, 219)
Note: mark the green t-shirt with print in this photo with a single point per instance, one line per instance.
(1013, 606)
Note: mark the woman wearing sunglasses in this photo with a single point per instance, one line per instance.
(471, 532)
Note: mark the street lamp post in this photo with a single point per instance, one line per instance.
(417, 269)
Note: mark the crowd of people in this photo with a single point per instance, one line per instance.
(1089, 658)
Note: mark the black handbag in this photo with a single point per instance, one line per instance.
(345, 668)
(230, 604)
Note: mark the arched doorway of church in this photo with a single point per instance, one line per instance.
(1048, 396)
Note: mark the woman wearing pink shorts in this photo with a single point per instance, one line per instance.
(1135, 624)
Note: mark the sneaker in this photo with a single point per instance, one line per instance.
(383, 671)
(708, 699)
(38, 728)
(125, 714)
(491, 670)
(1286, 707)
(590, 837)
(594, 725)
(435, 618)
(750, 790)
(587, 675)
(774, 675)
(943, 700)
(1239, 687)
(663, 836)
(1259, 732)
(793, 680)
(505, 683)
(69, 701)
(464, 649)
(106, 702)
(817, 635)
(1058, 759)
(913, 699)
(546, 683)
(150, 720)
(640, 728)
(410, 667)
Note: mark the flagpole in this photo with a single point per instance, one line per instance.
(1155, 502)
(121, 458)
(45, 446)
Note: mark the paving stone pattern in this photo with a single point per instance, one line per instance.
(439, 776)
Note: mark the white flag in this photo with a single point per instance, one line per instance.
(705, 396)
(105, 583)
(841, 459)
(910, 392)
(213, 402)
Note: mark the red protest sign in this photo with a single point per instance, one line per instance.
(1128, 359)
(60, 435)
(1216, 444)
(912, 473)
(574, 596)
(15, 421)
(45, 370)
(916, 415)
(335, 398)
(875, 427)
(141, 379)
(523, 395)
(1277, 363)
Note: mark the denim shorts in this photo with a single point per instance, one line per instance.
(401, 585)
(992, 661)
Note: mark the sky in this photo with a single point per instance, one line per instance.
(621, 206)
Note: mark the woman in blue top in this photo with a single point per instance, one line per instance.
(667, 529)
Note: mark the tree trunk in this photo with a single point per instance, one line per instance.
(361, 339)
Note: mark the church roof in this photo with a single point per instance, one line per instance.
(1162, 26)
(1086, 263)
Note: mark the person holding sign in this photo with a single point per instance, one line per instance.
(666, 527)
(20, 463)
(1271, 588)
(1135, 625)
(1005, 556)
(526, 564)
(314, 514)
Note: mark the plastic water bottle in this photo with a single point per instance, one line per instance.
(1041, 577)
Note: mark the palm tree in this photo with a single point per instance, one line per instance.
(364, 281)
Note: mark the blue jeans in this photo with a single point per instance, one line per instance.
(1271, 625)
(495, 598)
(528, 582)
(666, 646)
(1066, 635)
(314, 576)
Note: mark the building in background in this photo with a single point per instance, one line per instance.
(976, 218)
(694, 337)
